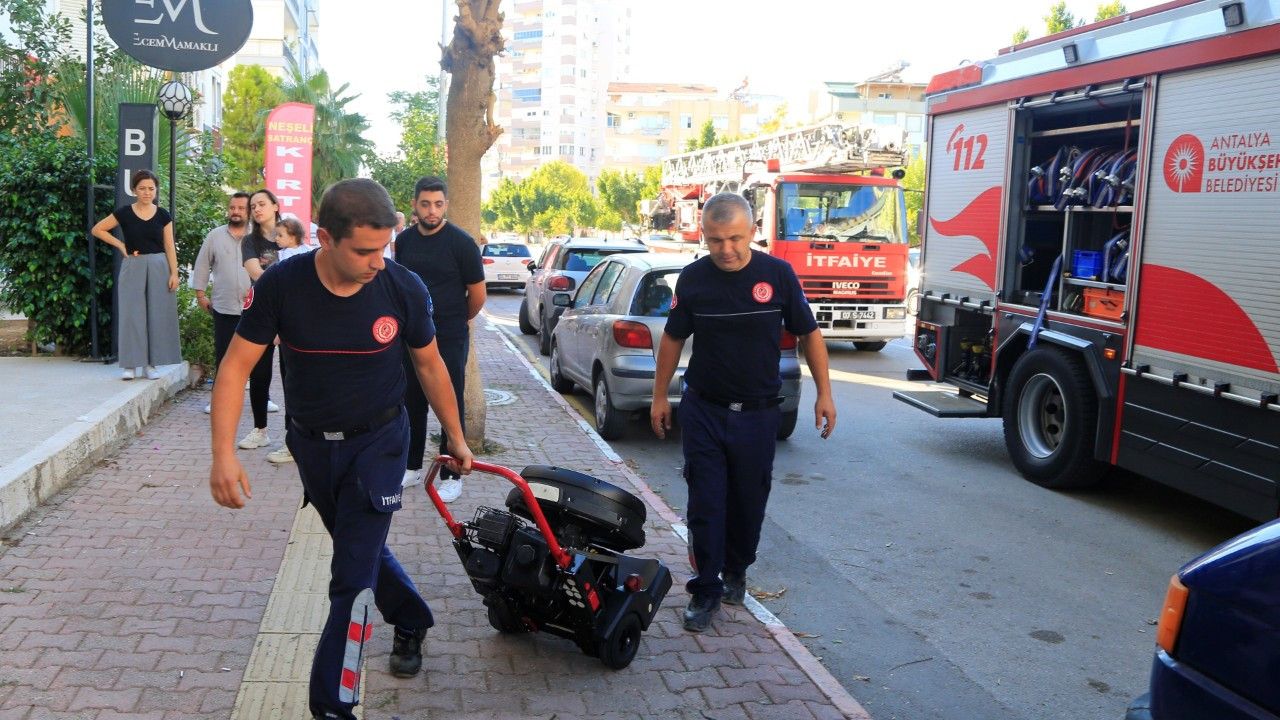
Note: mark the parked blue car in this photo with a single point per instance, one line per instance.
(1218, 645)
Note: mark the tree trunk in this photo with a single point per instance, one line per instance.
(470, 131)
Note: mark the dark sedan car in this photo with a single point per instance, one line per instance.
(1218, 646)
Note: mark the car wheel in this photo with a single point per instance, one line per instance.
(610, 423)
(559, 382)
(619, 649)
(526, 327)
(544, 337)
(788, 424)
(1050, 420)
(870, 346)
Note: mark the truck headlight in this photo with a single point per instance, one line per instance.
(895, 313)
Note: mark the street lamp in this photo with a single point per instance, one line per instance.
(175, 101)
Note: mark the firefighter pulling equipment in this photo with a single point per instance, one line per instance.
(1107, 236)
(823, 204)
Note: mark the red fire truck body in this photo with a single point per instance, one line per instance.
(1100, 262)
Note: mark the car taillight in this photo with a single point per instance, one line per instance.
(526, 261)
(1175, 604)
(789, 341)
(630, 334)
(487, 261)
(560, 282)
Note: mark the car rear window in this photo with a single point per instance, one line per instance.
(505, 250)
(587, 258)
(653, 299)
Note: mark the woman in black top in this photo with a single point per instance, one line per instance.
(259, 251)
(148, 279)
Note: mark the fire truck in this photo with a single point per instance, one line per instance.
(823, 204)
(1101, 264)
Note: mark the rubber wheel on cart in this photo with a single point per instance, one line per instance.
(504, 621)
(870, 346)
(544, 337)
(788, 424)
(619, 649)
(559, 382)
(1051, 420)
(526, 327)
(610, 424)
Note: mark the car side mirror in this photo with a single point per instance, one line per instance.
(561, 300)
(532, 266)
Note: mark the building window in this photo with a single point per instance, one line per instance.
(527, 95)
(686, 121)
(883, 119)
(612, 120)
(528, 35)
(217, 102)
(915, 123)
(720, 122)
(566, 149)
(885, 96)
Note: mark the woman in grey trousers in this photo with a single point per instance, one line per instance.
(148, 279)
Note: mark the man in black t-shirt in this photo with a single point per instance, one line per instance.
(737, 301)
(344, 315)
(448, 261)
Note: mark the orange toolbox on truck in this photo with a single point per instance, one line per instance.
(1104, 303)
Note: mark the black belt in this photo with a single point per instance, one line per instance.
(736, 405)
(378, 421)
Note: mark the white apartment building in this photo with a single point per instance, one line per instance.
(552, 85)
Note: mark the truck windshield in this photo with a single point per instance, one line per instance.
(843, 213)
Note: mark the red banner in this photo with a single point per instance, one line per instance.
(289, 141)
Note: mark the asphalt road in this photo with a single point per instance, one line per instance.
(930, 578)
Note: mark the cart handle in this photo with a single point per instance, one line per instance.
(562, 558)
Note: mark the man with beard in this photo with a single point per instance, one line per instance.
(448, 261)
(220, 257)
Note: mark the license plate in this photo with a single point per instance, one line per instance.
(857, 314)
(508, 276)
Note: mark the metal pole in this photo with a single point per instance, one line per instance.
(173, 154)
(88, 191)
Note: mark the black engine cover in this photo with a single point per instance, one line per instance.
(613, 517)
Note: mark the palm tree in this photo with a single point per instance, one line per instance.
(340, 147)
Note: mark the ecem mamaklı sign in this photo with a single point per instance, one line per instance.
(179, 35)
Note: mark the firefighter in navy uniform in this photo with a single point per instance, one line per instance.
(737, 301)
(343, 317)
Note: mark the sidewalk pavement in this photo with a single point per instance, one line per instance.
(130, 594)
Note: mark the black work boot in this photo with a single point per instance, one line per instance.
(735, 587)
(406, 652)
(697, 615)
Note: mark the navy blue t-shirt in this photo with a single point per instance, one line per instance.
(738, 319)
(342, 355)
(447, 260)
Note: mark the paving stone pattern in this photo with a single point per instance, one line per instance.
(133, 595)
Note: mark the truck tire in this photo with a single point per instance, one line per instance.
(1051, 420)
(788, 424)
(526, 327)
(870, 346)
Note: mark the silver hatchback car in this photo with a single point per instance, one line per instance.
(607, 338)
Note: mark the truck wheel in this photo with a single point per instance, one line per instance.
(610, 424)
(559, 382)
(1050, 420)
(619, 649)
(788, 424)
(544, 337)
(870, 346)
(526, 327)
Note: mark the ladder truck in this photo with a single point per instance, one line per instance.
(823, 203)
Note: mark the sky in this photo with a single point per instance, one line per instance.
(386, 45)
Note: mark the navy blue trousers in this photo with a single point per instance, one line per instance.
(354, 485)
(453, 351)
(728, 466)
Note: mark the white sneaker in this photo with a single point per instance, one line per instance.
(281, 455)
(255, 439)
(272, 407)
(411, 477)
(208, 408)
(127, 374)
(152, 373)
(450, 490)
